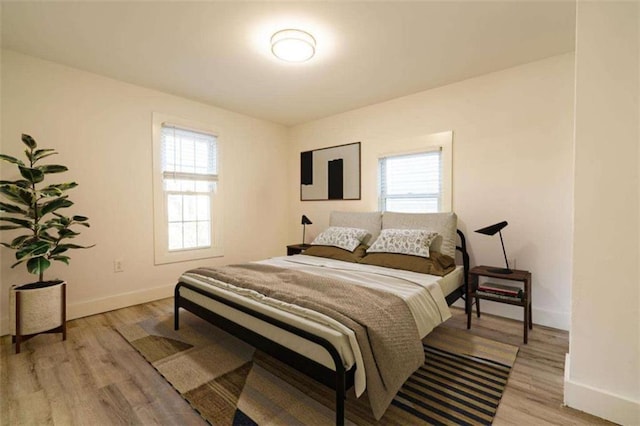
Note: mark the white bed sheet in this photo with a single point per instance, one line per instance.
(423, 293)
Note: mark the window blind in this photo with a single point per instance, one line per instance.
(189, 159)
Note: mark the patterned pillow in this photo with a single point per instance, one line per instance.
(444, 224)
(345, 238)
(404, 241)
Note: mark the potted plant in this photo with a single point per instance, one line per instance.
(34, 207)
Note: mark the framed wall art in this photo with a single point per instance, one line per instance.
(331, 173)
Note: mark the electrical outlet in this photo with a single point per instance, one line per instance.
(118, 265)
(512, 263)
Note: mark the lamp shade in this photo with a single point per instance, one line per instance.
(492, 229)
(305, 221)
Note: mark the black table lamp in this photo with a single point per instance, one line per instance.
(305, 221)
(491, 230)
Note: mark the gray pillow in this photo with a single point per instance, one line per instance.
(371, 221)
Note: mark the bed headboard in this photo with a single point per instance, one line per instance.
(371, 221)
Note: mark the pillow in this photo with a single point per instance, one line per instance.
(444, 224)
(345, 238)
(337, 253)
(437, 264)
(371, 221)
(405, 241)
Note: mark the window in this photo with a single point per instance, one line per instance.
(418, 181)
(185, 197)
(189, 176)
(411, 183)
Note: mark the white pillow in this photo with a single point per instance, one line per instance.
(344, 238)
(404, 241)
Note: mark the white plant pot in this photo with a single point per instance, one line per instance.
(40, 309)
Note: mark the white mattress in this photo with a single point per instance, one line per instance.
(423, 293)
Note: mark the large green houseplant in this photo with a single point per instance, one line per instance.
(34, 208)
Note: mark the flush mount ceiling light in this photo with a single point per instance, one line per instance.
(293, 45)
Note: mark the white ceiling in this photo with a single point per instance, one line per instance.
(219, 52)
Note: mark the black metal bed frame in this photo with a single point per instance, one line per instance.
(339, 379)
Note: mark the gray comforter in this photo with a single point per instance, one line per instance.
(383, 324)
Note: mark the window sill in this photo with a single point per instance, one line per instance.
(187, 255)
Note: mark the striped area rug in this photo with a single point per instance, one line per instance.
(454, 388)
(230, 383)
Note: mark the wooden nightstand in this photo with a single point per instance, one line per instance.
(516, 275)
(296, 248)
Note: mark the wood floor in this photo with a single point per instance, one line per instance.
(96, 378)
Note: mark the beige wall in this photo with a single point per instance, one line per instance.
(102, 129)
(512, 160)
(603, 374)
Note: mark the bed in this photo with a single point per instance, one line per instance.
(305, 335)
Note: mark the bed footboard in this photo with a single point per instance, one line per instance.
(340, 379)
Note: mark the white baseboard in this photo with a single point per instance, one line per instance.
(554, 319)
(599, 402)
(105, 304)
(560, 320)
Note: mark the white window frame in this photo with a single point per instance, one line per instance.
(162, 254)
(443, 142)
